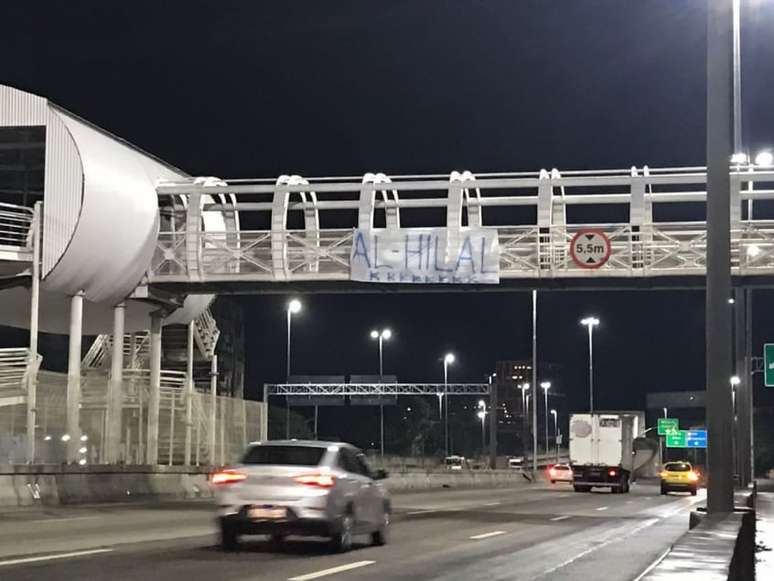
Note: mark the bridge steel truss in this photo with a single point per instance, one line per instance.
(535, 215)
(373, 389)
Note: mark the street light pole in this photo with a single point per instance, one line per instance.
(294, 306)
(546, 385)
(381, 336)
(447, 360)
(556, 434)
(720, 493)
(591, 322)
(482, 416)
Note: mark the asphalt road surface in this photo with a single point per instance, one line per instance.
(544, 532)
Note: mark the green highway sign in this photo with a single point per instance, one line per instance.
(768, 364)
(668, 426)
(677, 439)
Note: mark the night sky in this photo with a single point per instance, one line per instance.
(256, 89)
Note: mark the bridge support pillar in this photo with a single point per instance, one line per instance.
(214, 408)
(154, 399)
(73, 422)
(493, 423)
(113, 411)
(189, 389)
(32, 365)
(743, 390)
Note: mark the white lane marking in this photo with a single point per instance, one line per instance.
(492, 504)
(331, 571)
(563, 517)
(419, 512)
(486, 535)
(653, 565)
(613, 538)
(53, 557)
(603, 508)
(62, 519)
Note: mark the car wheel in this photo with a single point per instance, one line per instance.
(277, 539)
(693, 492)
(379, 537)
(553, 482)
(342, 540)
(229, 537)
(663, 489)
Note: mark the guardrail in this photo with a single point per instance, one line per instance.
(16, 226)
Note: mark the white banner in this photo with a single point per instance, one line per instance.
(426, 256)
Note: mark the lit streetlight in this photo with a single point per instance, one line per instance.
(591, 322)
(447, 360)
(381, 336)
(764, 159)
(294, 307)
(546, 385)
(556, 434)
(482, 416)
(665, 413)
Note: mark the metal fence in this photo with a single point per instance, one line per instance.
(216, 438)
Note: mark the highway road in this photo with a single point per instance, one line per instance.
(539, 531)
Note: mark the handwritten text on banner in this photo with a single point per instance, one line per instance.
(426, 256)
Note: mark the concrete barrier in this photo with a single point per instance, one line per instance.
(54, 485)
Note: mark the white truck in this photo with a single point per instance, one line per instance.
(602, 450)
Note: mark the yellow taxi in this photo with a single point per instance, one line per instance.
(679, 477)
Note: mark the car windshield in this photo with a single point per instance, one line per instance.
(678, 467)
(284, 455)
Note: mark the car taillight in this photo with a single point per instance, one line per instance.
(227, 477)
(321, 480)
(611, 472)
(693, 477)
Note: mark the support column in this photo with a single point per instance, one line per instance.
(213, 408)
(73, 424)
(115, 388)
(189, 389)
(750, 377)
(493, 403)
(152, 448)
(718, 338)
(32, 364)
(743, 390)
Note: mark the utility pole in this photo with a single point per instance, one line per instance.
(720, 494)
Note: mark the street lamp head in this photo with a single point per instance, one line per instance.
(553, 413)
(374, 334)
(735, 380)
(739, 158)
(294, 306)
(524, 386)
(449, 358)
(386, 334)
(546, 385)
(481, 415)
(764, 159)
(481, 403)
(590, 321)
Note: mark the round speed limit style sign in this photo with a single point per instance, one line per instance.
(590, 248)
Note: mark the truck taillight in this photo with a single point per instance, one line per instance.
(611, 472)
(316, 479)
(227, 477)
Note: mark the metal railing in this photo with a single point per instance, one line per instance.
(15, 366)
(206, 333)
(16, 227)
(99, 353)
(535, 215)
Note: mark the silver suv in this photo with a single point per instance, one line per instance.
(308, 488)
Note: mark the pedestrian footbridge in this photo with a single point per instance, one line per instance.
(294, 229)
